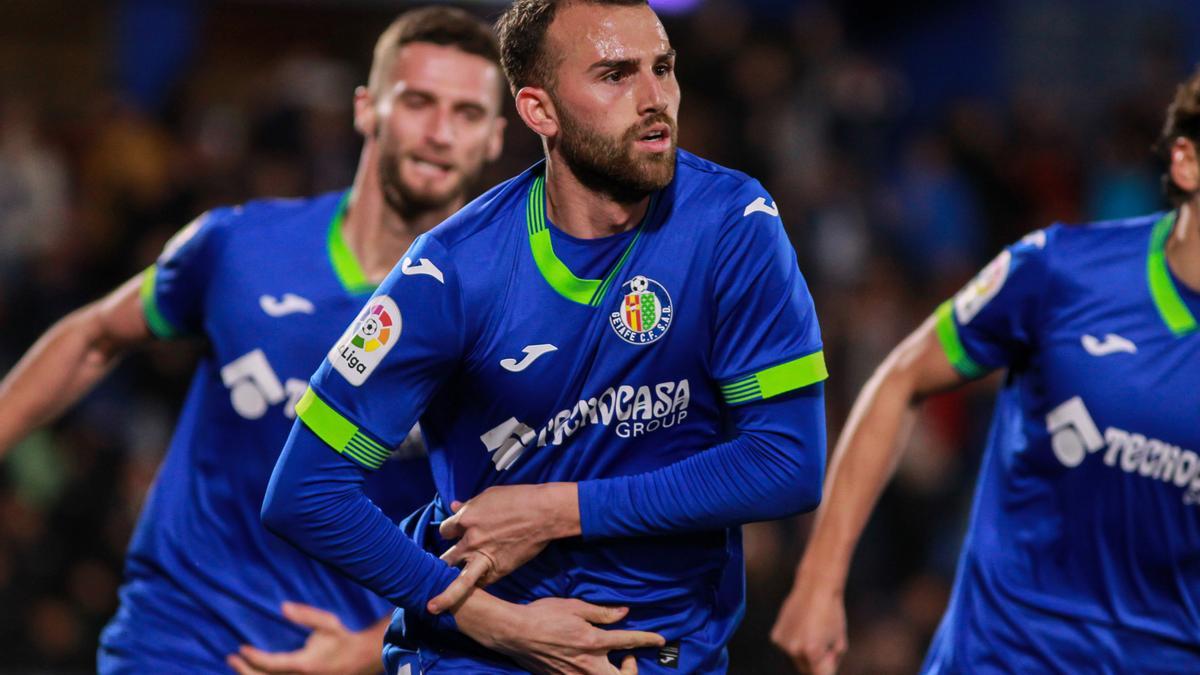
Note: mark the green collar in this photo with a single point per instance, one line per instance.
(345, 266)
(1170, 305)
(583, 291)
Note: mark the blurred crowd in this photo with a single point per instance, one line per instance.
(903, 149)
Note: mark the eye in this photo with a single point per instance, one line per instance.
(614, 76)
(413, 100)
(663, 69)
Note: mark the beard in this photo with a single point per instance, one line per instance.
(409, 200)
(612, 166)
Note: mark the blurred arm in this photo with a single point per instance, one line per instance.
(811, 627)
(870, 447)
(68, 360)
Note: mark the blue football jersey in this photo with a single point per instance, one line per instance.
(525, 370)
(1083, 553)
(267, 286)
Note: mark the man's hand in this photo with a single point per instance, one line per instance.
(330, 648)
(501, 529)
(811, 627)
(553, 635)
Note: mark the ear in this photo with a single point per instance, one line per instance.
(496, 142)
(364, 112)
(537, 111)
(1185, 170)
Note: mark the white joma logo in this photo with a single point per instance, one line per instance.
(423, 266)
(1111, 344)
(532, 353)
(760, 206)
(290, 303)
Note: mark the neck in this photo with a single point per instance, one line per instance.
(1183, 246)
(374, 231)
(585, 213)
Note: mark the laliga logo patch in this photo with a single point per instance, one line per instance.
(645, 313)
(362, 348)
(982, 288)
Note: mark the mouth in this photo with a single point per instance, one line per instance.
(657, 138)
(430, 168)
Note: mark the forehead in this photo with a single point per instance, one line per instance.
(445, 71)
(586, 32)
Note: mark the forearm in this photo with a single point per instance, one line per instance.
(771, 470)
(315, 500)
(866, 455)
(870, 447)
(62, 366)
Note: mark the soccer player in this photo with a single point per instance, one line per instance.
(1083, 553)
(265, 285)
(613, 356)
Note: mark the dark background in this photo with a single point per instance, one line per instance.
(904, 144)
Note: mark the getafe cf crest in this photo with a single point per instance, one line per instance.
(363, 346)
(645, 313)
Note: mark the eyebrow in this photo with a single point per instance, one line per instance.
(628, 63)
(457, 103)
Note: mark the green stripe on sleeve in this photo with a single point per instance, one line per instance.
(947, 332)
(338, 432)
(154, 319)
(776, 380)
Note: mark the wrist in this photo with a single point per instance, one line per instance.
(487, 619)
(561, 503)
(821, 572)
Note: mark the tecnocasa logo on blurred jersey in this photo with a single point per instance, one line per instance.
(1074, 436)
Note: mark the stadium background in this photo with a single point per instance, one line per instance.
(904, 145)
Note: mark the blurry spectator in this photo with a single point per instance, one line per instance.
(33, 187)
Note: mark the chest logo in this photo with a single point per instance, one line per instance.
(358, 353)
(532, 353)
(1074, 436)
(290, 303)
(645, 313)
(1111, 344)
(423, 266)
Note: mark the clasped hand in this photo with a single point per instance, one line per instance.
(501, 529)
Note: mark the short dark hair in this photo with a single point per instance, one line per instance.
(439, 25)
(522, 30)
(1183, 121)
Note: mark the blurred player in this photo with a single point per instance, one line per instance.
(1083, 553)
(619, 336)
(266, 284)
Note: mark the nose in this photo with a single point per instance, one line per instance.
(440, 129)
(652, 94)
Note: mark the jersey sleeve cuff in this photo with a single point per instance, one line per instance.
(158, 324)
(340, 433)
(779, 379)
(952, 345)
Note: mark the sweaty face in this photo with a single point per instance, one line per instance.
(437, 125)
(616, 98)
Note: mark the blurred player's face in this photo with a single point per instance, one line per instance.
(436, 124)
(615, 97)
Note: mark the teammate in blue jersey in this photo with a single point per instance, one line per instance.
(615, 362)
(1083, 553)
(265, 285)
